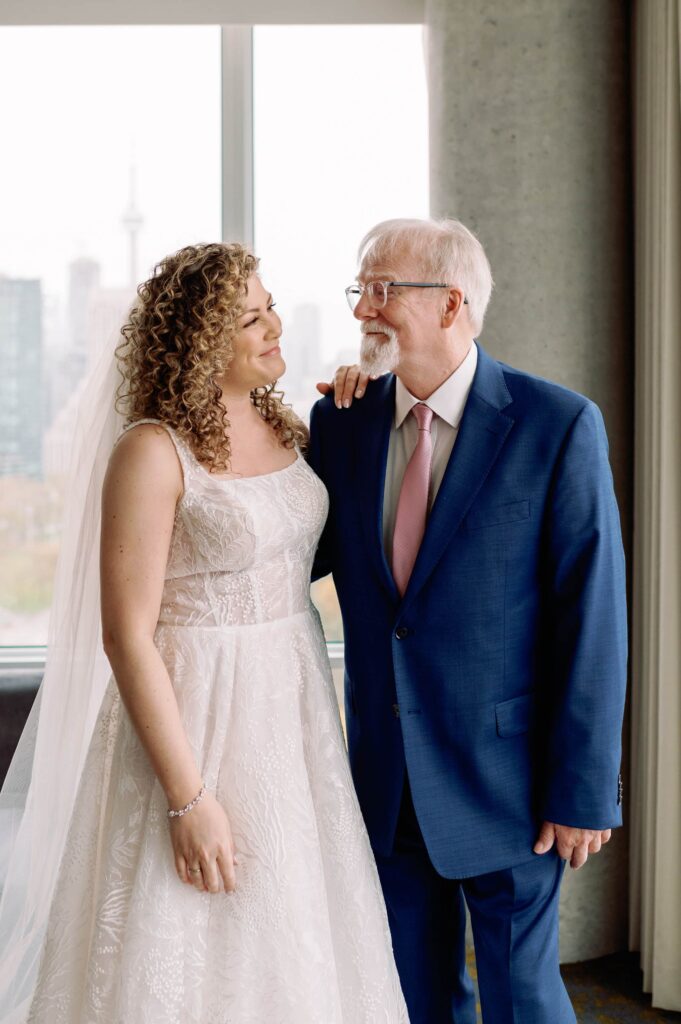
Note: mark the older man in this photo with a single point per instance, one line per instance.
(475, 545)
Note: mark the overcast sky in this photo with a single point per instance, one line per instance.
(340, 142)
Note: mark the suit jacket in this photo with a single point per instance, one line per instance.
(498, 680)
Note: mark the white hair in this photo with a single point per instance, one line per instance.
(446, 250)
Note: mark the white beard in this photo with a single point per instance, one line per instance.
(377, 356)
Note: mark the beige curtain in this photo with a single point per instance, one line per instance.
(656, 650)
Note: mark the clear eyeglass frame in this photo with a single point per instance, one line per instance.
(377, 291)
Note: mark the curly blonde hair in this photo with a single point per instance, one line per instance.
(177, 342)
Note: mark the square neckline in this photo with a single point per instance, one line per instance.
(242, 479)
(181, 445)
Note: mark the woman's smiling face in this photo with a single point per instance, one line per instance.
(257, 357)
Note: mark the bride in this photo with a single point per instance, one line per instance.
(204, 859)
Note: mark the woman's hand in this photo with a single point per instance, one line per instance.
(348, 383)
(204, 848)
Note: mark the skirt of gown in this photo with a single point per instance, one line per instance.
(304, 939)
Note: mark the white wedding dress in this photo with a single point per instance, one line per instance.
(304, 939)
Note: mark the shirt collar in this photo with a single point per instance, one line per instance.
(449, 400)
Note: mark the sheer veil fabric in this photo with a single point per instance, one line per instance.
(38, 794)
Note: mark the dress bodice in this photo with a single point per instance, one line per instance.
(241, 549)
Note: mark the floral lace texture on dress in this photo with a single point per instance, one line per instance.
(304, 939)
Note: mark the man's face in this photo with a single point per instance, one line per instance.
(409, 318)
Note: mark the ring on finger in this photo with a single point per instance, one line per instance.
(194, 871)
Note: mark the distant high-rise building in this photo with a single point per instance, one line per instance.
(84, 274)
(301, 351)
(107, 310)
(69, 365)
(95, 318)
(21, 391)
(132, 221)
(54, 334)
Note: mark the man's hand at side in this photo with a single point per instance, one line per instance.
(573, 844)
(348, 383)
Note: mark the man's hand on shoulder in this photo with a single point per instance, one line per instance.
(573, 844)
(348, 384)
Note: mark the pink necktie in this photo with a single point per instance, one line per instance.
(412, 505)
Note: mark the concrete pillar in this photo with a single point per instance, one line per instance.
(530, 147)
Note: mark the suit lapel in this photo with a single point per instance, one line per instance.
(482, 433)
(372, 437)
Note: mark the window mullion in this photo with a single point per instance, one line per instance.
(237, 134)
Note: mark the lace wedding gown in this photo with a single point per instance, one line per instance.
(304, 939)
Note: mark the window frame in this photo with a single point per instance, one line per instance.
(212, 12)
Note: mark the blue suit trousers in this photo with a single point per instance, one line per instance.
(514, 914)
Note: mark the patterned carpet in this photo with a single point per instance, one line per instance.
(608, 991)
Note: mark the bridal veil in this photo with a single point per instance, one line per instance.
(38, 795)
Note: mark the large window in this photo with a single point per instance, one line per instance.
(113, 157)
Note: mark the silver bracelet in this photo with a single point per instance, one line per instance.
(188, 807)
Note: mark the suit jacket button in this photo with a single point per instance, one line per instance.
(396, 710)
(401, 632)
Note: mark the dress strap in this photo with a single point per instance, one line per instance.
(183, 453)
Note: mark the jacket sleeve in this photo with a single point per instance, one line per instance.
(586, 651)
(322, 565)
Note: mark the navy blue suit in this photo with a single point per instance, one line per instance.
(496, 685)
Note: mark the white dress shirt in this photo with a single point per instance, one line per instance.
(447, 403)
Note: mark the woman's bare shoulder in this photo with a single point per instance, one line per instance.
(145, 452)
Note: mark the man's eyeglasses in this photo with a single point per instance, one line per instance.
(377, 291)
